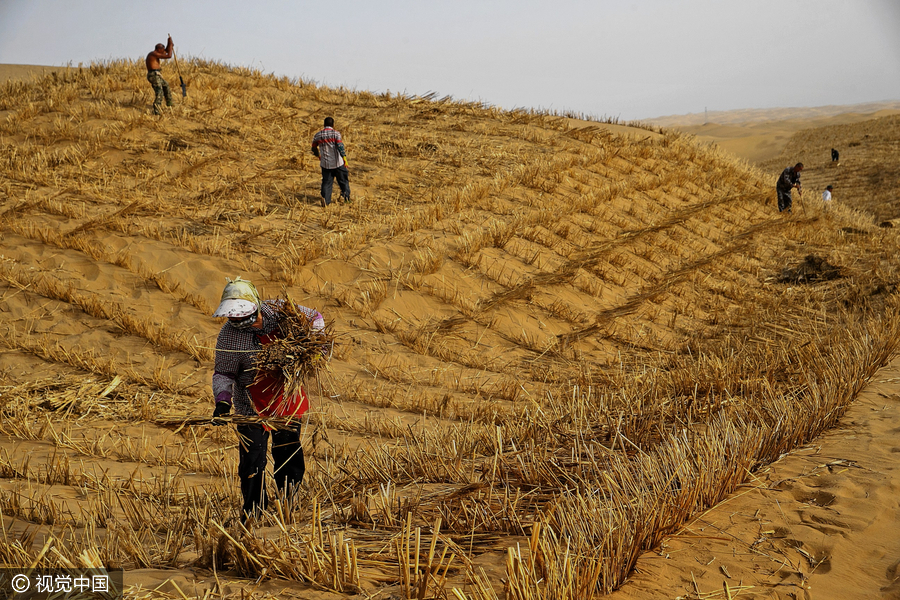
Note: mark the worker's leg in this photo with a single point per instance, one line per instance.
(155, 81)
(327, 183)
(784, 200)
(343, 179)
(166, 92)
(254, 441)
(287, 456)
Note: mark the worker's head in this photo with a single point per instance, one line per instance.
(240, 303)
(160, 47)
(828, 187)
(329, 122)
(798, 167)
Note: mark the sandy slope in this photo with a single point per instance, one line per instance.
(9, 72)
(820, 523)
(456, 209)
(760, 135)
(758, 142)
(767, 115)
(756, 135)
(824, 500)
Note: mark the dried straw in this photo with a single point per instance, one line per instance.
(180, 422)
(299, 352)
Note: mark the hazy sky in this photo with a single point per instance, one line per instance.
(630, 59)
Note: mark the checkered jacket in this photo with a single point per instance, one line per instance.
(236, 351)
(329, 147)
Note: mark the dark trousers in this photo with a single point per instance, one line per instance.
(784, 200)
(287, 456)
(342, 174)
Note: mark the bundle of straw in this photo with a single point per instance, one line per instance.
(299, 352)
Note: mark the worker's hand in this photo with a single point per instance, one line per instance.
(346, 162)
(222, 410)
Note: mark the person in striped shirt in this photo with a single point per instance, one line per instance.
(329, 147)
(235, 384)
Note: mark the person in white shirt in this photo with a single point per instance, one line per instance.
(826, 195)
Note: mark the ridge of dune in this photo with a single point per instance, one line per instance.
(761, 135)
(764, 115)
(9, 72)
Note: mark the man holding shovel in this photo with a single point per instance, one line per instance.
(154, 76)
(789, 179)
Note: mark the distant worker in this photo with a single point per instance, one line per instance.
(834, 155)
(789, 179)
(329, 147)
(154, 76)
(236, 383)
(826, 195)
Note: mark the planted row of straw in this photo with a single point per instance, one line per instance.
(103, 308)
(88, 360)
(99, 252)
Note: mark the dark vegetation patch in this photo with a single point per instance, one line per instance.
(853, 231)
(812, 269)
(216, 131)
(175, 144)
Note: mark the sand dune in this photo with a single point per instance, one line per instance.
(25, 72)
(561, 342)
(820, 523)
(761, 135)
(812, 115)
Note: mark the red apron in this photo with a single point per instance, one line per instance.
(267, 392)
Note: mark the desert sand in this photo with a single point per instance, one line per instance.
(531, 309)
(761, 135)
(25, 72)
(819, 523)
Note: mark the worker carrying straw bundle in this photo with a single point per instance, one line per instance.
(263, 353)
